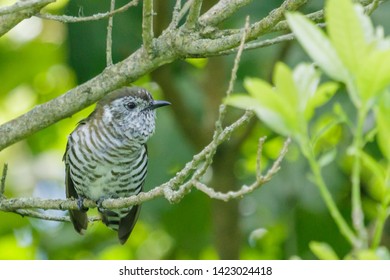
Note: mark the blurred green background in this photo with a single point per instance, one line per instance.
(41, 59)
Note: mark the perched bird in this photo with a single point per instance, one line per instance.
(106, 156)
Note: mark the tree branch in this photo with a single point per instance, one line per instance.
(221, 11)
(12, 15)
(82, 96)
(98, 16)
(210, 47)
(244, 190)
(109, 36)
(173, 44)
(175, 15)
(193, 15)
(2, 182)
(23, 5)
(222, 108)
(169, 190)
(147, 26)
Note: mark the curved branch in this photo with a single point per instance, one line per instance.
(195, 44)
(193, 15)
(81, 97)
(221, 11)
(170, 46)
(98, 16)
(173, 44)
(169, 189)
(12, 15)
(23, 6)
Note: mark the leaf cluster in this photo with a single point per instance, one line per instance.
(356, 54)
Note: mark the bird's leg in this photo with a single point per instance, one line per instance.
(103, 211)
(80, 201)
(100, 204)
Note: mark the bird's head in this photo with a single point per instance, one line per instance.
(130, 110)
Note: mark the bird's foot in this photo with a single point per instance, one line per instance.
(80, 205)
(100, 204)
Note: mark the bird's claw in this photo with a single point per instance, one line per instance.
(80, 202)
(100, 204)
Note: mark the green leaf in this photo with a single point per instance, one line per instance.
(327, 158)
(242, 101)
(342, 115)
(322, 95)
(377, 186)
(269, 104)
(367, 255)
(271, 100)
(375, 76)
(273, 108)
(306, 80)
(317, 45)
(382, 113)
(285, 84)
(368, 29)
(323, 251)
(257, 87)
(199, 63)
(271, 117)
(345, 32)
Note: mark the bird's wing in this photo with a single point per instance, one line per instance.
(79, 218)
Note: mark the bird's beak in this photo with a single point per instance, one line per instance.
(158, 103)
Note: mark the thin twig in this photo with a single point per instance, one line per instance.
(49, 217)
(372, 7)
(3, 178)
(221, 11)
(200, 157)
(265, 43)
(193, 15)
(215, 46)
(238, 57)
(98, 16)
(233, 76)
(170, 46)
(41, 215)
(276, 165)
(258, 158)
(175, 15)
(317, 17)
(22, 206)
(147, 26)
(244, 190)
(169, 190)
(186, 7)
(109, 36)
(179, 13)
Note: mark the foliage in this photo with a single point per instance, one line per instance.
(356, 54)
(286, 218)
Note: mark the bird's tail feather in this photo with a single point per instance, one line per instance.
(122, 220)
(79, 219)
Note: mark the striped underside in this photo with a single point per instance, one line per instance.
(102, 163)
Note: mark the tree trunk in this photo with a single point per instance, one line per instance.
(225, 215)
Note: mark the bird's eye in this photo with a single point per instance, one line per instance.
(130, 105)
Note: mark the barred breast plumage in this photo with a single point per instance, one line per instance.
(106, 156)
